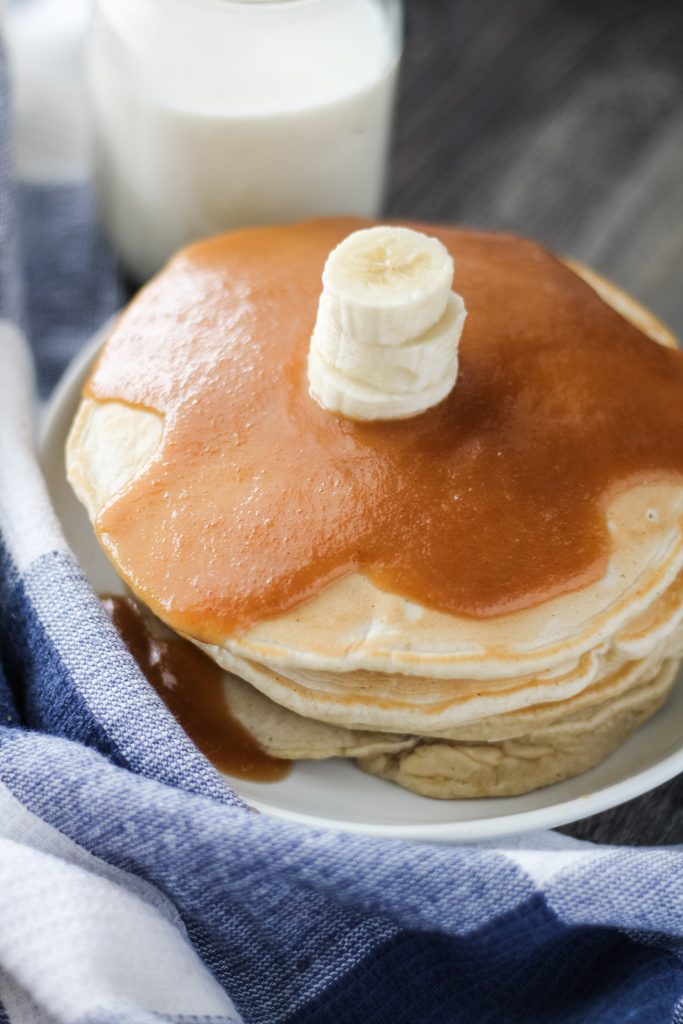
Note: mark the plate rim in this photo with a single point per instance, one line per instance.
(471, 830)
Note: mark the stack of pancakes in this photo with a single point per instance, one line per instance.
(445, 706)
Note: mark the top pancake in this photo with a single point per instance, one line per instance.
(352, 624)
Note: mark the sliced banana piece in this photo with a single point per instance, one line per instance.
(385, 341)
(413, 366)
(387, 285)
(340, 394)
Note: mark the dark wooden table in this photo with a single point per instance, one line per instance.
(563, 121)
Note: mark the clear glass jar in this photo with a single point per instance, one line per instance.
(216, 114)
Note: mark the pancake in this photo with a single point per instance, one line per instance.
(448, 771)
(258, 713)
(365, 705)
(446, 705)
(353, 624)
(503, 759)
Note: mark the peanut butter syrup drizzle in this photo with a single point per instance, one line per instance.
(490, 502)
(191, 686)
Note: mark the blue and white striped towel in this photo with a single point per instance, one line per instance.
(134, 886)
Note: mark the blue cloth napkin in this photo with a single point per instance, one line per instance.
(134, 884)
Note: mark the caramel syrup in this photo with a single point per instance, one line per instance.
(191, 686)
(490, 502)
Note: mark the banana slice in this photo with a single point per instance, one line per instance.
(413, 366)
(341, 394)
(385, 342)
(387, 285)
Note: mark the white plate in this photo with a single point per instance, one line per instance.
(335, 794)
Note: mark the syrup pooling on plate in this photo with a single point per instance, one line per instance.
(191, 686)
(490, 502)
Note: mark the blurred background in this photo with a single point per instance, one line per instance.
(558, 119)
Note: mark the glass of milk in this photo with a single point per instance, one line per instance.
(216, 114)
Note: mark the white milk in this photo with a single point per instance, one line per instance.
(212, 114)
